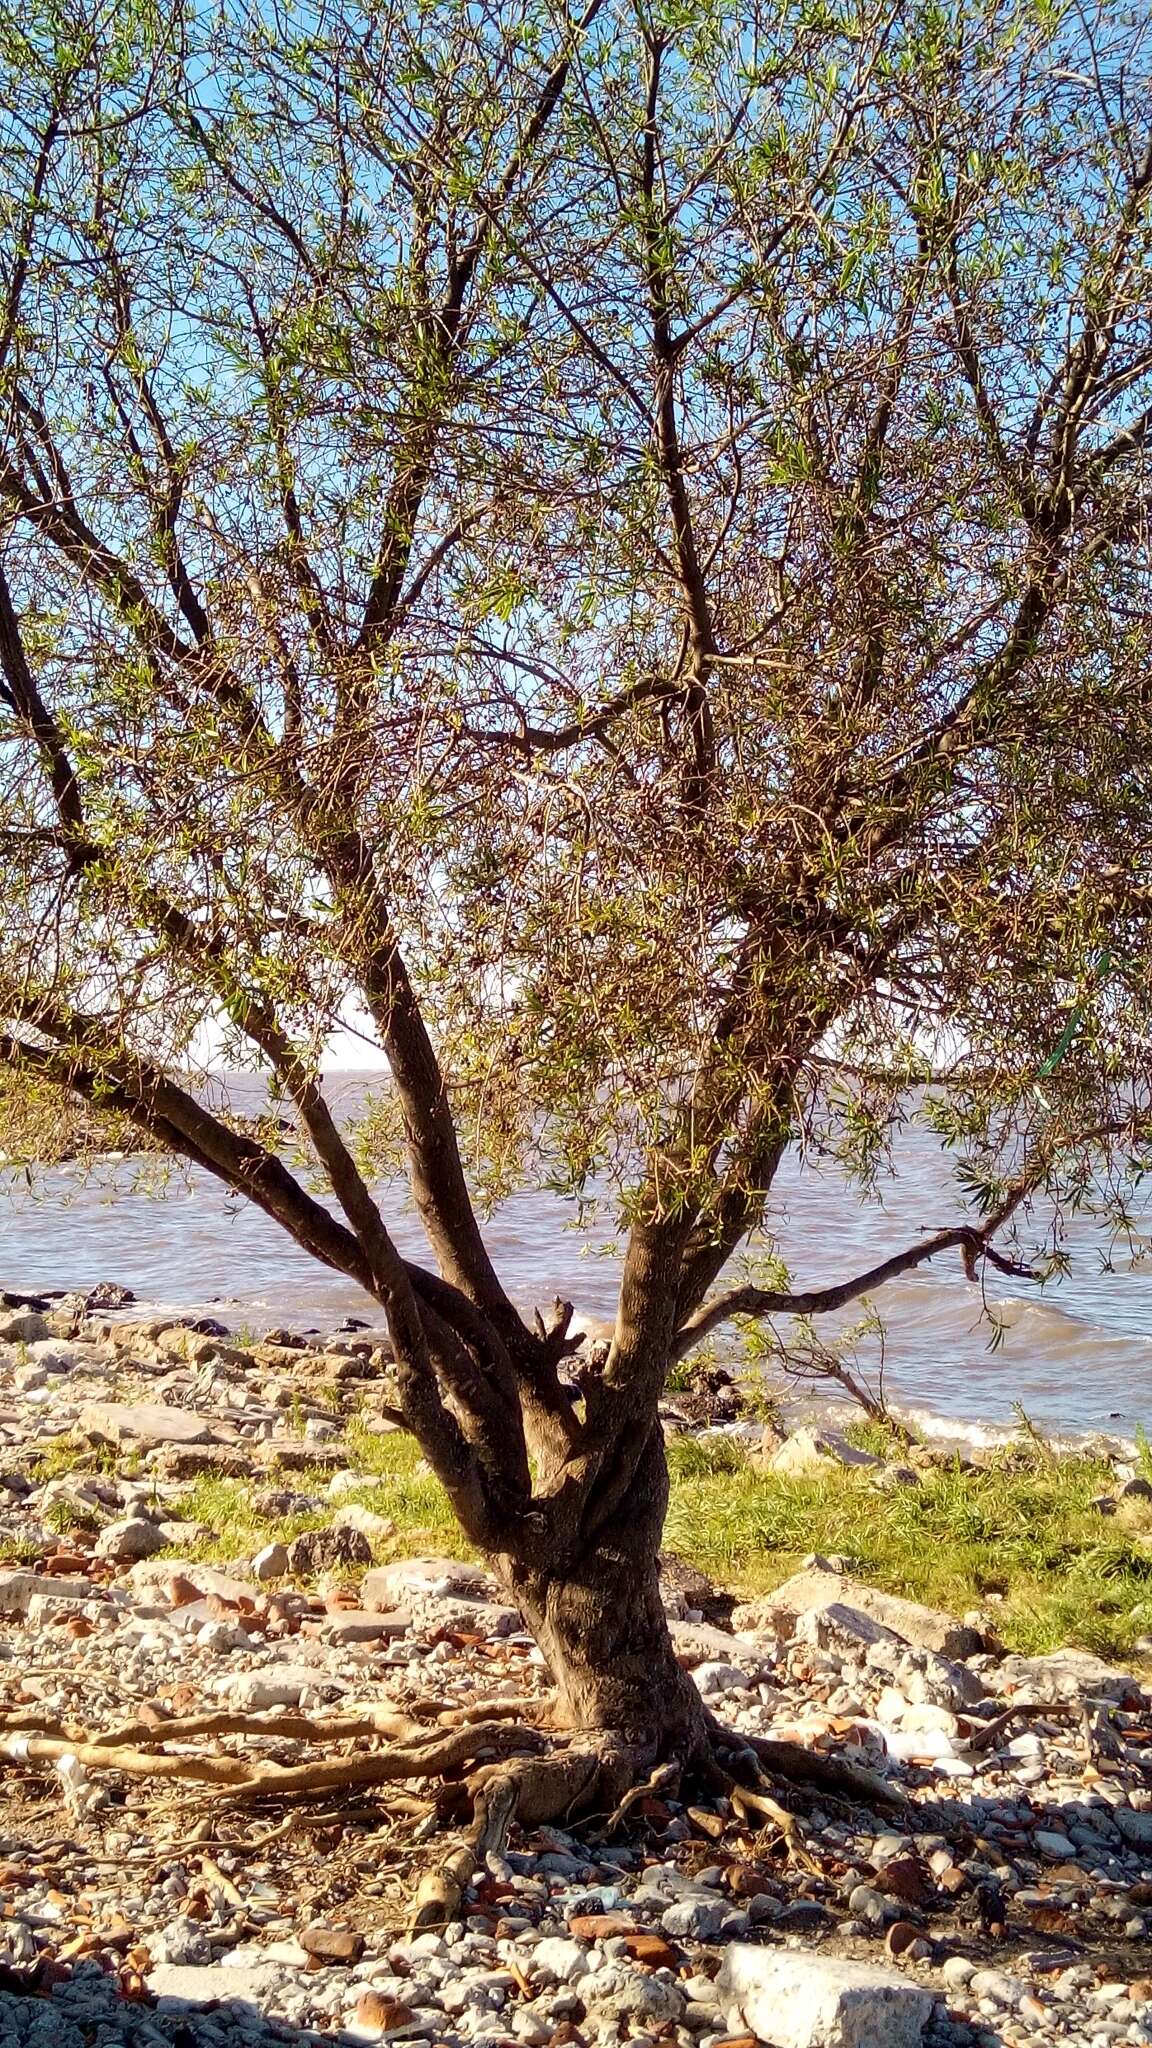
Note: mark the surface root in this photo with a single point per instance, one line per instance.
(495, 1754)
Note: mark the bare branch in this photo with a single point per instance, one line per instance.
(972, 1241)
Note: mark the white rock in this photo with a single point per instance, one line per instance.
(529, 2027)
(838, 1624)
(712, 1679)
(343, 1483)
(697, 1642)
(999, 1986)
(192, 1984)
(253, 1692)
(627, 1993)
(559, 1958)
(925, 1627)
(1028, 1745)
(910, 1745)
(1068, 1675)
(902, 1713)
(128, 1541)
(810, 1450)
(19, 1588)
(797, 2000)
(270, 1563)
(695, 1919)
(355, 1516)
(395, 1585)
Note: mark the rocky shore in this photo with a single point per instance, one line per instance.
(996, 1894)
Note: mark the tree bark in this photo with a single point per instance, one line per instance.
(595, 1609)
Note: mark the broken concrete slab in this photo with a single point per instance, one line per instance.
(807, 1592)
(143, 1422)
(838, 1624)
(189, 1461)
(422, 1578)
(1068, 1675)
(798, 2000)
(697, 1642)
(288, 1454)
(167, 1574)
(353, 1627)
(277, 1685)
(182, 1984)
(18, 1589)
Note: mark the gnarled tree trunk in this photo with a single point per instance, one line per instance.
(593, 1604)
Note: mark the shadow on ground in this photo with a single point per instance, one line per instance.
(88, 2011)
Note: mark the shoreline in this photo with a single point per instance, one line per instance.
(796, 1402)
(1032, 1526)
(208, 1531)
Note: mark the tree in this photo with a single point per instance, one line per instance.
(617, 544)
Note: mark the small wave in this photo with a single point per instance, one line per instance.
(599, 1328)
(947, 1430)
(954, 1432)
(1015, 1309)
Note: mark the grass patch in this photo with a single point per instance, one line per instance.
(66, 1454)
(404, 1488)
(397, 1483)
(228, 1507)
(65, 1515)
(705, 1457)
(1025, 1532)
(1022, 1528)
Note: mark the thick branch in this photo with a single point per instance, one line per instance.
(972, 1241)
(111, 1077)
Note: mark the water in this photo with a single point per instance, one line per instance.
(1077, 1353)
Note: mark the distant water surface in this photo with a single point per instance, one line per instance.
(1077, 1353)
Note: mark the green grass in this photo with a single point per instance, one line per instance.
(67, 1454)
(1022, 1528)
(64, 1516)
(396, 1483)
(405, 1489)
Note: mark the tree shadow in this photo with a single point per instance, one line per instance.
(89, 2010)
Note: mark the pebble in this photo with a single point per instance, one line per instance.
(567, 1937)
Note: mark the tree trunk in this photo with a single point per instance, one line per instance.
(596, 1613)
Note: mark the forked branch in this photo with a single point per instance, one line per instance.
(972, 1241)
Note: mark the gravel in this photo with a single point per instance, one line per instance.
(1016, 1880)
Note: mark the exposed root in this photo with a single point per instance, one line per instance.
(788, 1828)
(438, 1752)
(351, 1724)
(416, 1724)
(536, 1711)
(440, 1891)
(494, 1753)
(800, 1766)
(663, 1777)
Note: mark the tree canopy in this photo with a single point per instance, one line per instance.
(617, 545)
